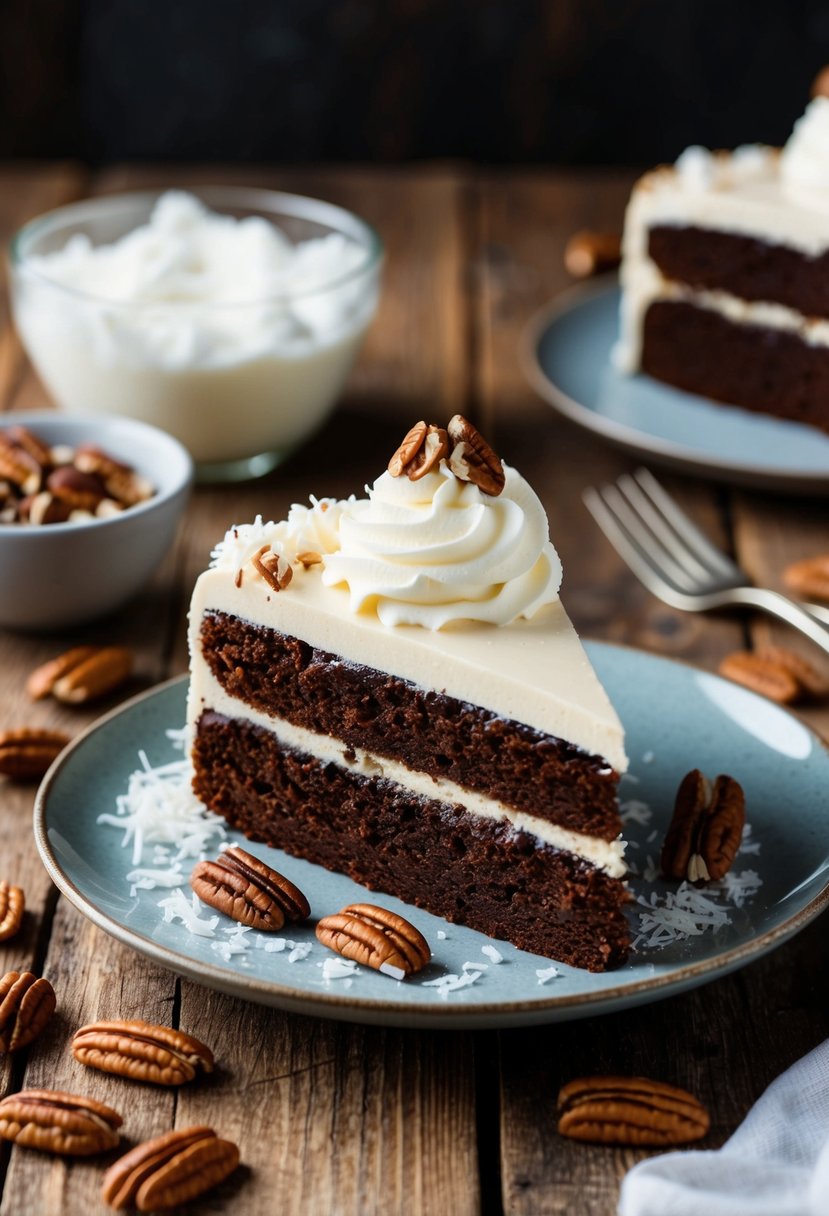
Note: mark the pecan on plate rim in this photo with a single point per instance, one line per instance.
(376, 938)
(706, 828)
(249, 891)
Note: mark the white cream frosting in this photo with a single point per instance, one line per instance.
(804, 163)
(436, 551)
(534, 670)
(755, 191)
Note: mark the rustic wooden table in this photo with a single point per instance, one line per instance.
(333, 1118)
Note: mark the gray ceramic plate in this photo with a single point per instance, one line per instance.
(675, 718)
(566, 355)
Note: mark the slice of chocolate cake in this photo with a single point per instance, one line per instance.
(725, 275)
(391, 688)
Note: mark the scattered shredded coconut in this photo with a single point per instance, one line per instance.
(396, 973)
(178, 907)
(338, 968)
(652, 836)
(739, 887)
(441, 936)
(148, 879)
(235, 944)
(545, 974)
(475, 967)
(635, 811)
(677, 915)
(160, 807)
(651, 871)
(648, 758)
(445, 984)
(494, 955)
(747, 844)
(299, 951)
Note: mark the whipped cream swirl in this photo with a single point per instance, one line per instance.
(438, 550)
(804, 162)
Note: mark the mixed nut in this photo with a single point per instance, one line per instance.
(43, 484)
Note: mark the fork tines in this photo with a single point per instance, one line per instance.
(655, 537)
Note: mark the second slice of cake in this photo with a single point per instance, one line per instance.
(390, 687)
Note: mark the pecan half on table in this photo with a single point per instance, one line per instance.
(249, 891)
(26, 1005)
(141, 1051)
(376, 938)
(27, 752)
(81, 674)
(169, 1170)
(630, 1110)
(57, 1122)
(12, 907)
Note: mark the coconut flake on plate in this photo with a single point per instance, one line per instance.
(178, 907)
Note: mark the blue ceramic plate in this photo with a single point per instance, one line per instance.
(676, 718)
(566, 355)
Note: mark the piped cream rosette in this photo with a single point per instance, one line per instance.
(437, 550)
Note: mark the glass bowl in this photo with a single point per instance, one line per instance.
(240, 384)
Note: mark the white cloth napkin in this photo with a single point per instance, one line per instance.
(775, 1164)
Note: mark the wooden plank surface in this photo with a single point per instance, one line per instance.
(340, 1119)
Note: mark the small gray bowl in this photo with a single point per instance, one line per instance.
(57, 575)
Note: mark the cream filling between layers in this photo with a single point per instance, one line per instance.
(533, 671)
(605, 855)
(644, 285)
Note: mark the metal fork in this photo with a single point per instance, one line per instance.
(669, 554)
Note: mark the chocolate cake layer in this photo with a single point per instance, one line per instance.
(467, 869)
(427, 731)
(744, 267)
(766, 370)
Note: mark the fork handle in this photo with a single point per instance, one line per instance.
(787, 610)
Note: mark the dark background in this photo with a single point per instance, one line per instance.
(497, 81)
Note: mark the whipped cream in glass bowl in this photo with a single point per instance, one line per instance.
(229, 316)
